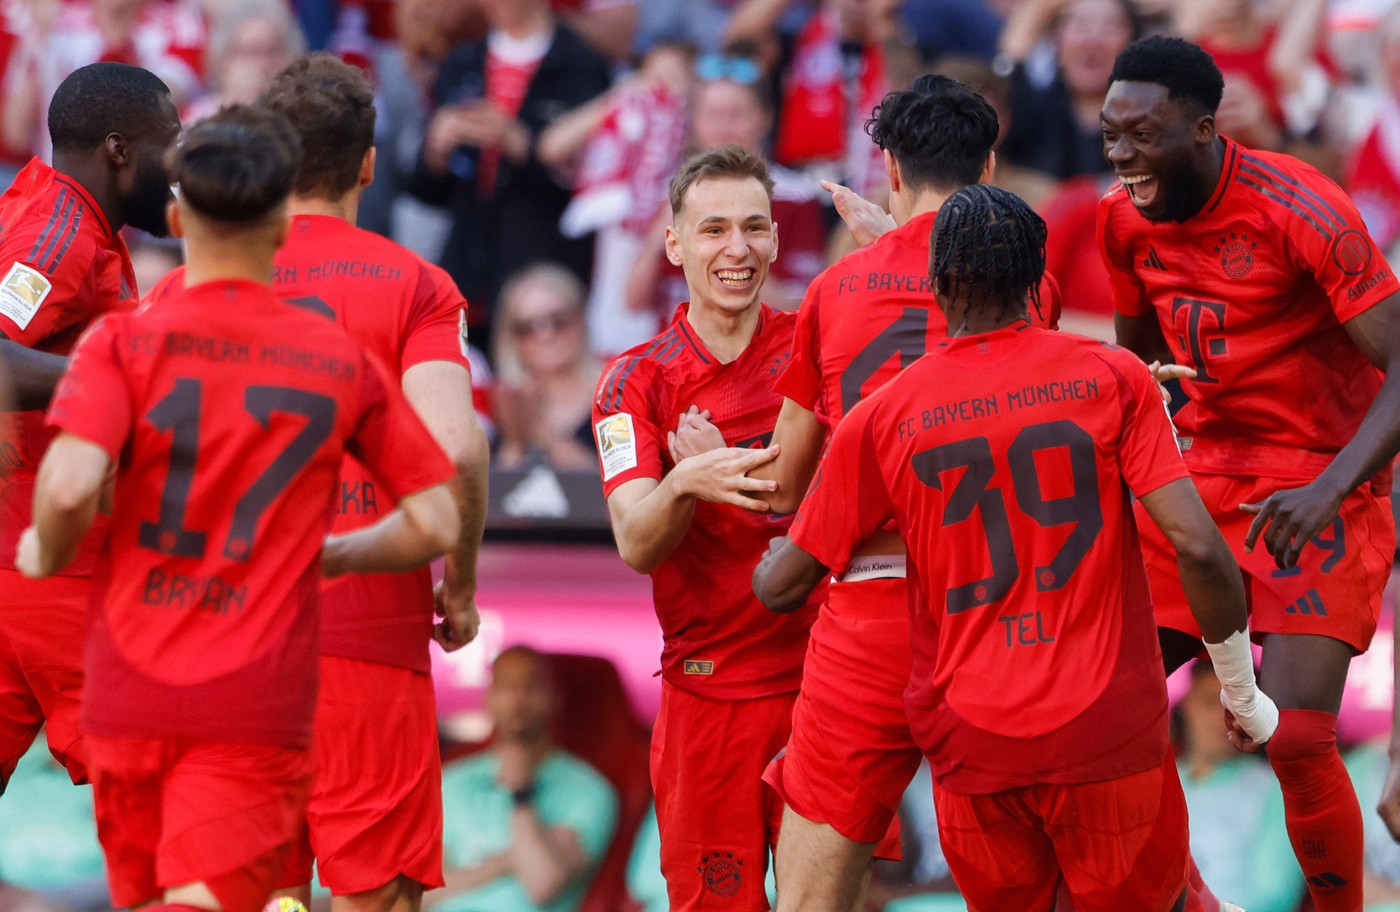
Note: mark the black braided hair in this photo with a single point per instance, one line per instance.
(989, 247)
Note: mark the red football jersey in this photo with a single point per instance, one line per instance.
(870, 315)
(404, 311)
(719, 640)
(228, 411)
(1006, 459)
(63, 266)
(1252, 292)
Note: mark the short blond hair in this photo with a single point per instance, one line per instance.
(731, 162)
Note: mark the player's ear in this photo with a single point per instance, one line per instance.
(673, 246)
(367, 167)
(1205, 129)
(115, 148)
(774, 255)
(989, 170)
(173, 220)
(891, 171)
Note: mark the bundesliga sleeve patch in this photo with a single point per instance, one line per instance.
(617, 444)
(22, 292)
(462, 331)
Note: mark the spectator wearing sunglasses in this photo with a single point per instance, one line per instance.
(546, 375)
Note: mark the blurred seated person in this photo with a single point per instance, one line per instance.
(921, 882)
(545, 372)
(730, 104)
(525, 824)
(492, 99)
(1059, 54)
(1238, 838)
(249, 42)
(49, 854)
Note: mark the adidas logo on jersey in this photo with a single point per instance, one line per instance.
(1152, 261)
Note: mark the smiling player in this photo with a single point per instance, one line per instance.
(730, 667)
(1256, 271)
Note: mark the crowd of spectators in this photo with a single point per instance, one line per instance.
(518, 132)
(526, 145)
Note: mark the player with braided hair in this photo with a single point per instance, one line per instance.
(1005, 457)
(997, 259)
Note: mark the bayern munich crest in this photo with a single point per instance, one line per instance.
(1236, 254)
(722, 872)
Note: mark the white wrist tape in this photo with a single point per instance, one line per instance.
(1234, 666)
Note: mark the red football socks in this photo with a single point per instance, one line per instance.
(1320, 808)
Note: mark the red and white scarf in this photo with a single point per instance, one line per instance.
(817, 122)
(628, 162)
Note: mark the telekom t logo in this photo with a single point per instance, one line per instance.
(1199, 318)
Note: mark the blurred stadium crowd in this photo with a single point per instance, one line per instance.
(525, 145)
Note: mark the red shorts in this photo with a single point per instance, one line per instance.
(376, 806)
(851, 756)
(717, 819)
(1335, 590)
(172, 812)
(42, 629)
(1116, 845)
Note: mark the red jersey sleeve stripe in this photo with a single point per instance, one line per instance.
(62, 206)
(611, 399)
(68, 235)
(1308, 196)
(1288, 201)
(662, 349)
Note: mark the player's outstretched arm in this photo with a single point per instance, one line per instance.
(1214, 590)
(66, 496)
(33, 374)
(800, 437)
(1287, 519)
(440, 393)
(650, 517)
(424, 526)
(786, 576)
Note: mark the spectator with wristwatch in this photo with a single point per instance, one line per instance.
(524, 822)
